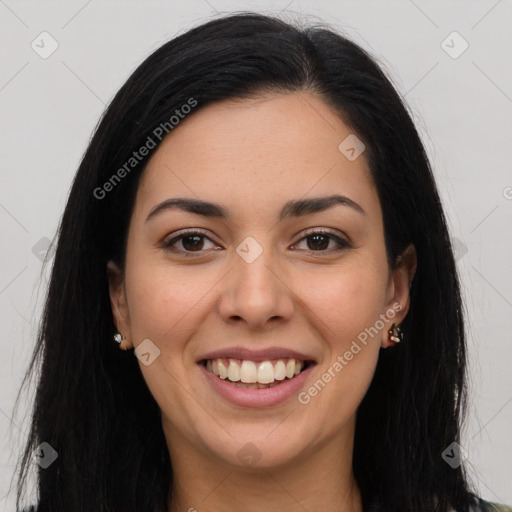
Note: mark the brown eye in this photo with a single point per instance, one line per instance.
(188, 242)
(319, 241)
(192, 242)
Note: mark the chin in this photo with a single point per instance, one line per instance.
(257, 448)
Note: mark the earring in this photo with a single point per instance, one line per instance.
(399, 336)
(118, 337)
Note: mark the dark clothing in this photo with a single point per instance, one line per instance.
(483, 506)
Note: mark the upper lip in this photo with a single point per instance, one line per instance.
(266, 354)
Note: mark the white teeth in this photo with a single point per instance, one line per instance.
(290, 368)
(249, 372)
(265, 372)
(280, 370)
(233, 371)
(223, 371)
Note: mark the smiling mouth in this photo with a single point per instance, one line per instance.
(256, 375)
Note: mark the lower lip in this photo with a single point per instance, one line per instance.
(265, 397)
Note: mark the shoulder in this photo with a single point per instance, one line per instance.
(480, 506)
(487, 506)
(497, 507)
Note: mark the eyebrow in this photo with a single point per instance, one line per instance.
(296, 208)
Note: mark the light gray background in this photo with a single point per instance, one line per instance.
(462, 107)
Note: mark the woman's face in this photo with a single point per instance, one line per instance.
(259, 286)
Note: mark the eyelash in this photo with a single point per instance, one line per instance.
(343, 244)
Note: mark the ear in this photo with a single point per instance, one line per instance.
(400, 283)
(118, 303)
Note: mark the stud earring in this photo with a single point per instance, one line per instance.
(395, 333)
(118, 337)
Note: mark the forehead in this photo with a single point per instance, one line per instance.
(257, 153)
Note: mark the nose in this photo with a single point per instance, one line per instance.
(256, 293)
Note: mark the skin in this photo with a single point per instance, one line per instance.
(252, 156)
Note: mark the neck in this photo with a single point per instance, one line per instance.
(322, 480)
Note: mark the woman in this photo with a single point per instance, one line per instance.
(256, 221)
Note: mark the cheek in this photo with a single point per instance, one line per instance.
(350, 305)
(162, 308)
(161, 301)
(348, 311)
(347, 300)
